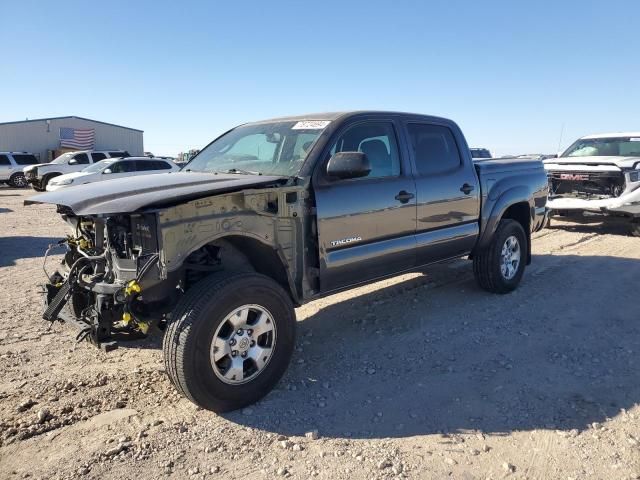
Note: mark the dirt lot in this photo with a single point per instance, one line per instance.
(420, 376)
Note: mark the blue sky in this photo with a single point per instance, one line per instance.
(511, 73)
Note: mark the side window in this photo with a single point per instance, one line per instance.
(25, 159)
(377, 141)
(4, 160)
(97, 156)
(434, 148)
(82, 158)
(126, 166)
(160, 165)
(303, 144)
(118, 154)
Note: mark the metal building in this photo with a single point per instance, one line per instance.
(45, 137)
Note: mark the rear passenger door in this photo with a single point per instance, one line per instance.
(366, 225)
(448, 193)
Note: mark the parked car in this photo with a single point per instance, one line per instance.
(40, 175)
(274, 214)
(480, 153)
(11, 165)
(598, 174)
(113, 168)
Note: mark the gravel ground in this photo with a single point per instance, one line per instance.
(420, 376)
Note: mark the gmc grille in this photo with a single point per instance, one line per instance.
(586, 184)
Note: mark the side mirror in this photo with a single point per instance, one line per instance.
(345, 165)
(73, 161)
(107, 171)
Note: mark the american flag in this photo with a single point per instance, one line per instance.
(83, 138)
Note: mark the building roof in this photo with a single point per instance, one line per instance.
(69, 116)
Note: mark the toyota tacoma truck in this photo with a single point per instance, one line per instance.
(274, 214)
(598, 174)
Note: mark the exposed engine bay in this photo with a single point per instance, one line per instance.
(106, 263)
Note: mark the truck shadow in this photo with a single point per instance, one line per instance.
(14, 248)
(435, 354)
(594, 224)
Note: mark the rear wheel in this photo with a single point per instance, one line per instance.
(230, 340)
(18, 180)
(499, 268)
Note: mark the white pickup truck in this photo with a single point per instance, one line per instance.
(598, 174)
(39, 175)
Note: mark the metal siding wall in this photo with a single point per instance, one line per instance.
(33, 137)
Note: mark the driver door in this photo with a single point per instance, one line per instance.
(366, 226)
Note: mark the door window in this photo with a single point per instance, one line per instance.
(25, 159)
(123, 167)
(378, 142)
(82, 158)
(98, 156)
(434, 149)
(118, 154)
(4, 160)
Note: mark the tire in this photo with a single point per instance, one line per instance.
(18, 180)
(635, 228)
(45, 181)
(487, 265)
(37, 188)
(195, 322)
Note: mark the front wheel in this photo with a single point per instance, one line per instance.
(18, 180)
(499, 268)
(230, 340)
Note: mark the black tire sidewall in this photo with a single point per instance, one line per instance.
(509, 228)
(12, 180)
(201, 381)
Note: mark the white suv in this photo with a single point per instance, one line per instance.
(113, 168)
(39, 175)
(11, 165)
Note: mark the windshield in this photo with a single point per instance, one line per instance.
(64, 158)
(277, 148)
(98, 166)
(605, 147)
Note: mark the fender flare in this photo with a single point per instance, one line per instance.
(508, 198)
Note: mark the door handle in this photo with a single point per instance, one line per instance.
(404, 196)
(466, 189)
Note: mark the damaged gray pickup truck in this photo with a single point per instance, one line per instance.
(274, 214)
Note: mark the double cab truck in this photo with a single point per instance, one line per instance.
(38, 176)
(598, 174)
(274, 214)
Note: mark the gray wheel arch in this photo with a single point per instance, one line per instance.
(516, 203)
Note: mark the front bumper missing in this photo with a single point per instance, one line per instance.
(96, 329)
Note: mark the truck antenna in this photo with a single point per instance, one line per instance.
(561, 133)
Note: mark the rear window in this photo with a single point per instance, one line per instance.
(4, 160)
(25, 159)
(160, 165)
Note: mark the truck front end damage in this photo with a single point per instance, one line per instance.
(605, 189)
(108, 262)
(122, 274)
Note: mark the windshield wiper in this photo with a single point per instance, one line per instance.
(242, 172)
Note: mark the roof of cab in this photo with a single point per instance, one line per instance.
(613, 135)
(332, 116)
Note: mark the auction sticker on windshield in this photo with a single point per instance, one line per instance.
(311, 125)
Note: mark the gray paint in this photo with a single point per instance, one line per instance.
(392, 235)
(38, 137)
